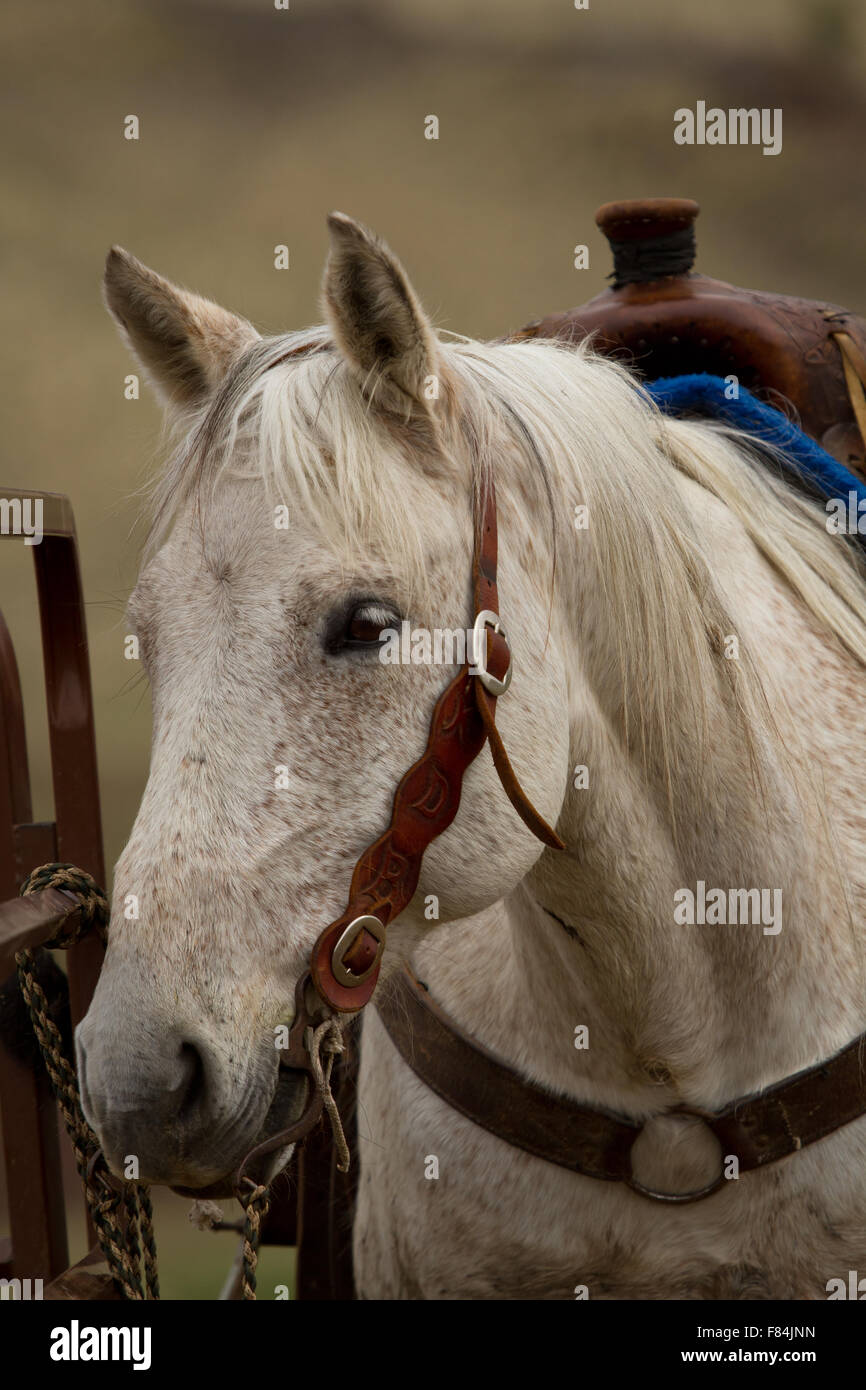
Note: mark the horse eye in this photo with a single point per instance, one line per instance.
(367, 624)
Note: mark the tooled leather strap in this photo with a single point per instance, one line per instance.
(757, 1129)
(347, 956)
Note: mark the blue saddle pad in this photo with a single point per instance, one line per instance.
(812, 466)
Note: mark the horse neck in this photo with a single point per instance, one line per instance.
(673, 1011)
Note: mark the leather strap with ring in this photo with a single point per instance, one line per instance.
(347, 956)
(757, 1129)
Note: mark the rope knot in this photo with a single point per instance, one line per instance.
(206, 1215)
(93, 904)
(333, 1040)
(257, 1192)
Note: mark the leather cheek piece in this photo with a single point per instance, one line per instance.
(428, 796)
(498, 660)
(498, 654)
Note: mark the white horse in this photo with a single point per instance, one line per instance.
(698, 648)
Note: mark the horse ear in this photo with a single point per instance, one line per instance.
(376, 319)
(184, 343)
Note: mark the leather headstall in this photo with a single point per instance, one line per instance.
(347, 957)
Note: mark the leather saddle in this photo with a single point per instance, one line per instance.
(662, 318)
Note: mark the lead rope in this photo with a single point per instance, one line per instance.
(126, 1246)
(255, 1198)
(123, 1248)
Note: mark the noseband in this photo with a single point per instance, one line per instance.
(346, 960)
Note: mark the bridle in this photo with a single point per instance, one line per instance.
(346, 960)
(347, 957)
(758, 1129)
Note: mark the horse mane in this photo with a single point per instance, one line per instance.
(561, 426)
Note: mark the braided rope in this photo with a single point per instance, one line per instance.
(93, 909)
(148, 1241)
(129, 1243)
(103, 1192)
(255, 1202)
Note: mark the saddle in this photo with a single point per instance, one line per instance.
(662, 318)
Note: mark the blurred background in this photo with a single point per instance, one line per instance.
(254, 123)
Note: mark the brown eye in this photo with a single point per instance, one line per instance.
(367, 625)
(363, 629)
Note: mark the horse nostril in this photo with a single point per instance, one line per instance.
(195, 1080)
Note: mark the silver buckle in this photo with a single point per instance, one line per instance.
(346, 938)
(486, 618)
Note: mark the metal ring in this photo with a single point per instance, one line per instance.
(487, 618)
(696, 1194)
(675, 1197)
(346, 939)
